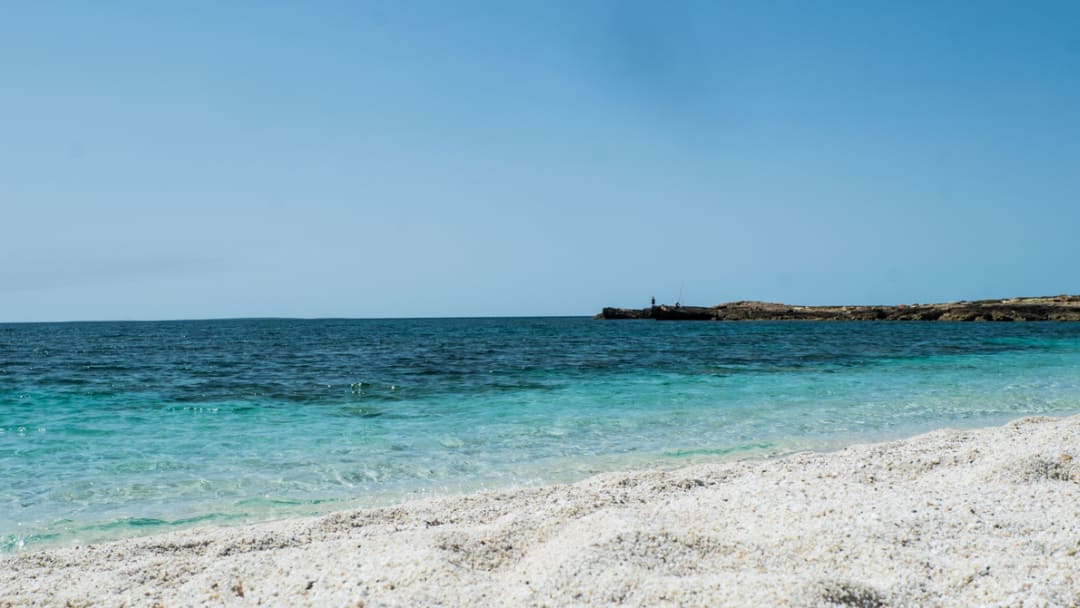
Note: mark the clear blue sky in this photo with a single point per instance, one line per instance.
(222, 159)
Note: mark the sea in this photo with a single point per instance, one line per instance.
(117, 429)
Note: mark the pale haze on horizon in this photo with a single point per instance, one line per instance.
(386, 159)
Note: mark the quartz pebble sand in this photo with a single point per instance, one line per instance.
(974, 518)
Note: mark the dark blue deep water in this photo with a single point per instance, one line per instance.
(114, 429)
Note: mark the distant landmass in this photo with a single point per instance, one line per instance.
(1046, 308)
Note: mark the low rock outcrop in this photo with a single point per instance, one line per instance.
(1048, 308)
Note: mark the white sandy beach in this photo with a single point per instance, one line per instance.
(952, 518)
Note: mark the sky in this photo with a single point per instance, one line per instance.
(205, 159)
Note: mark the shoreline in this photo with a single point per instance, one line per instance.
(96, 531)
(950, 517)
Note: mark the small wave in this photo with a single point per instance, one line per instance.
(358, 412)
(746, 447)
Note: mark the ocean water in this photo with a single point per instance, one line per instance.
(117, 429)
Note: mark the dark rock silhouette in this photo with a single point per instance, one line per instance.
(1049, 308)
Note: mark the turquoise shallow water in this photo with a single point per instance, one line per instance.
(116, 429)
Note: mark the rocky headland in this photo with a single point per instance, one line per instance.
(1047, 308)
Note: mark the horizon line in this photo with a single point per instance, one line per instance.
(287, 318)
